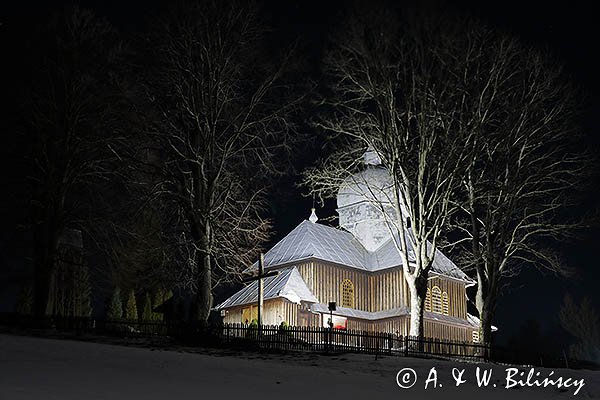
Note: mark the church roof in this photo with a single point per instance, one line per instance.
(393, 312)
(354, 313)
(312, 240)
(450, 319)
(287, 284)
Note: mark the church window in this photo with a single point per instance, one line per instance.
(445, 303)
(347, 293)
(428, 300)
(436, 300)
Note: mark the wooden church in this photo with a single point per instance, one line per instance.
(358, 266)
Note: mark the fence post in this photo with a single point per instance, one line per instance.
(406, 346)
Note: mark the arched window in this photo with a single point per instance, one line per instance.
(347, 293)
(428, 300)
(445, 303)
(436, 300)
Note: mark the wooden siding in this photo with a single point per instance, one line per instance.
(401, 326)
(375, 291)
(388, 289)
(278, 310)
(274, 312)
(324, 281)
(434, 329)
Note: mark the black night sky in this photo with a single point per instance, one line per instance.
(569, 29)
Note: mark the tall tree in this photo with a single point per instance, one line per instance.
(71, 127)
(389, 92)
(218, 115)
(521, 111)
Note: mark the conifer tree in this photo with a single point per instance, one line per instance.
(115, 307)
(24, 304)
(131, 307)
(82, 292)
(147, 314)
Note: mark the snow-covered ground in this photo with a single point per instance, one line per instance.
(37, 368)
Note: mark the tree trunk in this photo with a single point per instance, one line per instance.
(204, 296)
(418, 291)
(487, 315)
(485, 302)
(45, 248)
(41, 287)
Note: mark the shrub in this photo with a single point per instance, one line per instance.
(252, 331)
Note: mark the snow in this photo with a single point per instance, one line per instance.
(39, 368)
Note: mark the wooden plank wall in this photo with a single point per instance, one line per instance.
(274, 312)
(324, 281)
(382, 290)
(432, 329)
(388, 289)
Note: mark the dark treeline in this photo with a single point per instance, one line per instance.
(155, 148)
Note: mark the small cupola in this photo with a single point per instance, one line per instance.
(313, 216)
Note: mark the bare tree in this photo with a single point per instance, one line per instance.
(390, 92)
(71, 125)
(582, 322)
(521, 111)
(219, 118)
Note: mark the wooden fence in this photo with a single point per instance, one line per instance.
(321, 339)
(317, 339)
(267, 337)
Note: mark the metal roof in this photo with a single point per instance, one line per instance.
(353, 313)
(287, 284)
(449, 319)
(394, 312)
(473, 320)
(313, 240)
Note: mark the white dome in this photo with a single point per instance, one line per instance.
(367, 204)
(374, 185)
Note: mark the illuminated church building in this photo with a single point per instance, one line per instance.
(358, 266)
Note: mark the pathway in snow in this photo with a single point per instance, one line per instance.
(37, 368)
